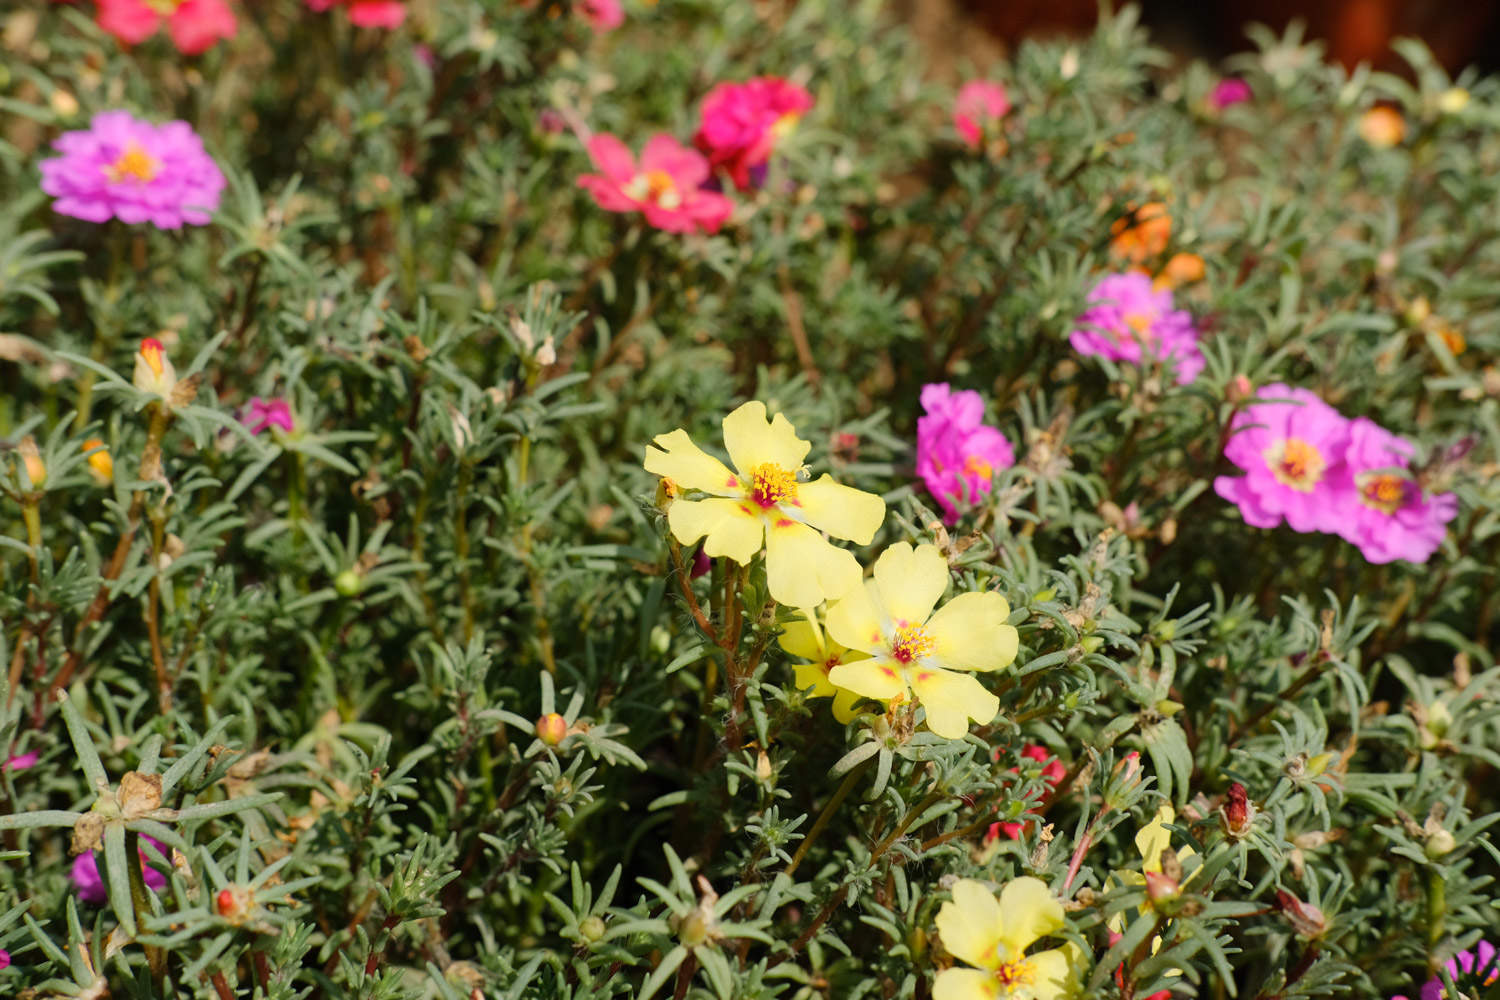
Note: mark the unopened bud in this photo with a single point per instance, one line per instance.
(1162, 888)
(31, 459)
(591, 929)
(101, 465)
(552, 729)
(349, 583)
(1239, 813)
(1239, 389)
(1439, 842)
(1453, 100)
(153, 369)
(1306, 919)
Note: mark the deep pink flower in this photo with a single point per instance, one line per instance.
(263, 414)
(90, 884)
(666, 187)
(1052, 772)
(367, 13)
(4, 959)
(124, 168)
(195, 25)
(1384, 509)
(1130, 320)
(602, 15)
(1470, 972)
(21, 762)
(980, 103)
(742, 122)
(957, 456)
(1230, 90)
(1291, 448)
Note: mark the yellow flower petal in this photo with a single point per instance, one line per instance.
(802, 637)
(734, 530)
(1053, 973)
(970, 633)
(971, 923)
(964, 984)
(910, 581)
(854, 620)
(812, 675)
(1031, 912)
(675, 456)
(951, 700)
(872, 678)
(843, 704)
(842, 511)
(804, 569)
(1154, 837)
(752, 440)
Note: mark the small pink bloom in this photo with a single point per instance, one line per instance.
(1130, 320)
(21, 762)
(1384, 510)
(1230, 90)
(979, 105)
(666, 186)
(1291, 448)
(1052, 771)
(263, 414)
(602, 15)
(195, 25)
(1471, 972)
(90, 883)
(957, 455)
(367, 13)
(742, 122)
(4, 959)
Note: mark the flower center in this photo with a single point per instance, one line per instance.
(165, 8)
(1296, 464)
(135, 163)
(655, 186)
(783, 126)
(1385, 492)
(772, 485)
(1009, 975)
(830, 663)
(974, 465)
(1140, 326)
(911, 642)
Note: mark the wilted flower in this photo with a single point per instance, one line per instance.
(916, 651)
(666, 187)
(127, 169)
(743, 122)
(602, 15)
(1142, 234)
(263, 414)
(764, 504)
(980, 103)
(1230, 90)
(90, 884)
(1239, 813)
(1290, 448)
(195, 25)
(1382, 127)
(1129, 320)
(367, 13)
(993, 935)
(1385, 510)
(957, 456)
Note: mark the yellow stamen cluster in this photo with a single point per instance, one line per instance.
(1009, 975)
(912, 642)
(135, 163)
(655, 186)
(1385, 492)
(977, 466)
(773, 485)
(1296, 463)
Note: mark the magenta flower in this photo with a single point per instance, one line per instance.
(90, 884)
(957, 455)
(1230, 90)
(263, 414)
(1470, 973)
(743, 122)
(4, 959)
(128, 169)
(1130, 320)
(1291, 449)
(602, 15)
(195, 25)
(980, 103)
(21, 762)
(1384, 511)
(666, 187)
(367, 13)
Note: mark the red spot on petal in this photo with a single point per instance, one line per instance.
(731, 483)
(745, 509)
(888, 672)
(784, 522)
(924, 675)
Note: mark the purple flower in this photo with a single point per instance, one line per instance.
(128, 169)
(90, 884)
(1230, 90)
(956, 454)
(263, 414)
(1384, 511)
(1292, 451)
(1129, 320)
(1470, 973)
(21, 762)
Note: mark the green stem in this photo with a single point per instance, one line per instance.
(1437, 907)
(140, 898)
(823, 817)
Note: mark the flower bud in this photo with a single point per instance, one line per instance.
(1439, 842)
(1239, 389)
(591, 929)
(552, 729)
(1162, 888)
(101, 465)
(1238, 813)
(31, 460)
(349, 583)
(1453, 100)
(153, 369)
(1306, 919)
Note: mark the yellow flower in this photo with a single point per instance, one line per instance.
(763, 503)
(993, 934)
(807, 639)
(1154, 837)
(916, 651)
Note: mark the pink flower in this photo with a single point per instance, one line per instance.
(263, 414)
(90, 884)
(742, 122)
(123, 168)
(979, 105)
(1291, 449)
(1130, 320)
(4, 959)
(195, 25)
(1052, 771)
(1384, 511)
(1230, 90)
(957, 455)
(667, 186)
(602, 15)
(21, 762)
(367, 13)
(1470, 972)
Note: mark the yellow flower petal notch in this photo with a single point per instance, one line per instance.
(806, 638)
(916, 652)
(762, 503)
(993, 934)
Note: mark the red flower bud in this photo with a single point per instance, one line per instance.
(1239, 814)
(1307, 920)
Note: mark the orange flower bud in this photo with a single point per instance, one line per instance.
(1181, 269)
(552, 729)
(1142, 234)
(101, 466)
(31, 458)
(1382, 127)
(153, 369)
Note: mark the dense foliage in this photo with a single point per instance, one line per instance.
(351, 651)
